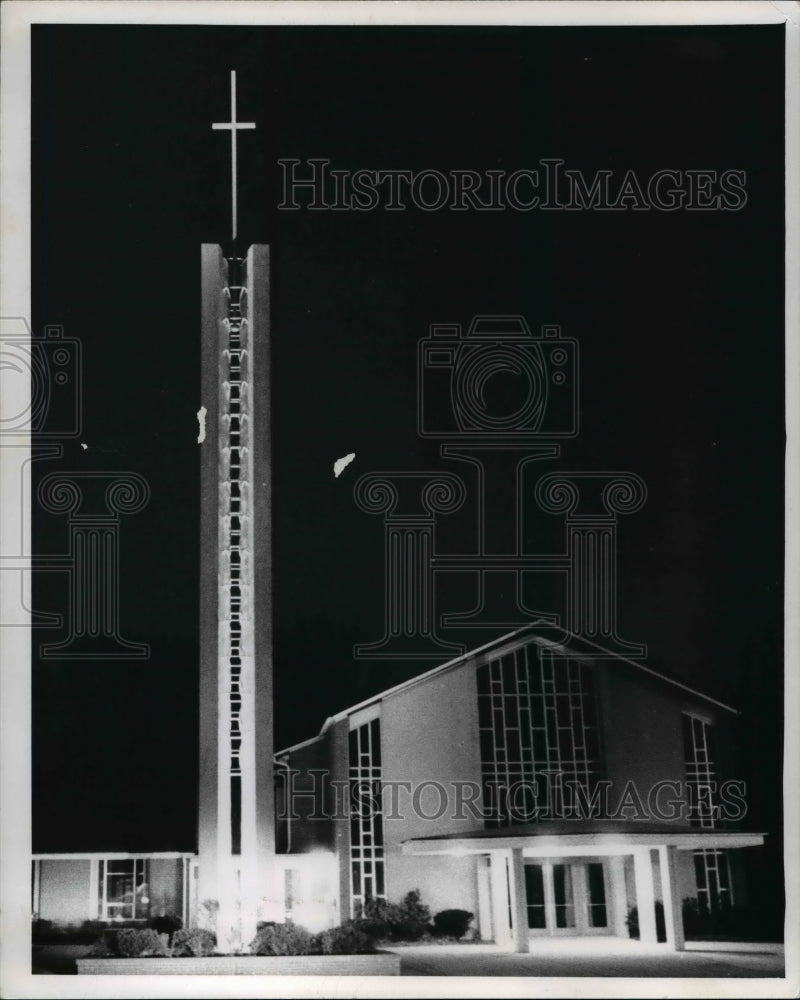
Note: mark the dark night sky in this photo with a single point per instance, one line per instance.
(679, 318)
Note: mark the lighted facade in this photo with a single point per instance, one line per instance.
(236, 815)
(539, 782)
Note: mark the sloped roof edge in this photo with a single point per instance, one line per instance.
(560, 639)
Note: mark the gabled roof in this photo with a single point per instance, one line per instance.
(559, 640)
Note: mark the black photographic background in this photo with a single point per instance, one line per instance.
(679, 317)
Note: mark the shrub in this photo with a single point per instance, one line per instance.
(633, 922)
(133, 943)
(724, 923)
(416, 916)
(348, 939)
(731, 923)
(167, 924)
(104, 947)
(376, 922)
(283, 939)
(194, 941)
(89, 932)
(696, 922)
(49, 932)
(375, 930)
(452, 923)
(407, 921)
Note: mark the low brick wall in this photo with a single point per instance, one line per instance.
(244, 965)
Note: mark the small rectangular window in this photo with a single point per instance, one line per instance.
(123, 889)
(289, 877)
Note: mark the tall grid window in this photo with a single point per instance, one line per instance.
(698, 748)
(712, 873)
(537, 720)
(367, 875)
(712, 867)
(122, 889)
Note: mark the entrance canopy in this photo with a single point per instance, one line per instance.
(547, 881)
(579, 844)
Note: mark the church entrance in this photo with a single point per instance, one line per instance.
(566, 898)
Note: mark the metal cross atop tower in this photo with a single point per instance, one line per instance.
(233, 126)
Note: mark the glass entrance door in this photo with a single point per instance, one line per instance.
(534, 888)
(596, 897)
(563, 897)
(566, 898)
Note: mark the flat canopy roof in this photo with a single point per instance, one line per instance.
(579, 844)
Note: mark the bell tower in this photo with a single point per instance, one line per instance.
(236, 828)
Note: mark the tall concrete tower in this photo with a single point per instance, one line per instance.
(236, 833)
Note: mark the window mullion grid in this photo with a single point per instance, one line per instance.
(365, 775)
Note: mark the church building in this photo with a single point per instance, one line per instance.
(543, 782)
(539, 782)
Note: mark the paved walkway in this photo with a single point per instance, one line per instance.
(609, 957)
(597, 957)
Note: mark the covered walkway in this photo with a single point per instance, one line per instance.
(539, 886)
